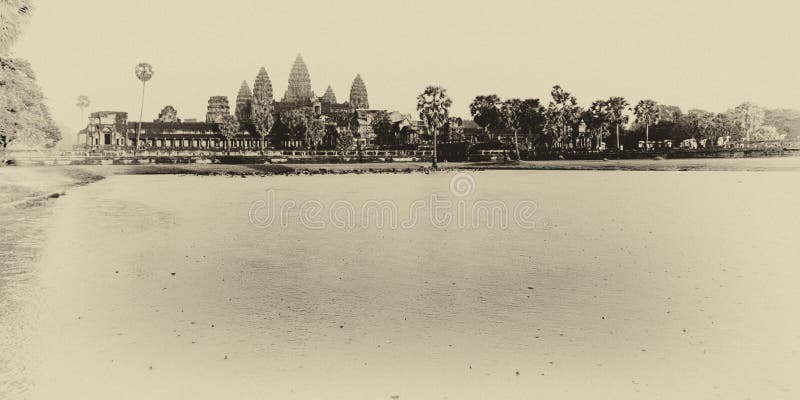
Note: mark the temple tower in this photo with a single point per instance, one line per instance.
(262, 87)
(299, 89)
(168, 114)
(217, 108)
(358, 93)
(329, 96)
(244, 103)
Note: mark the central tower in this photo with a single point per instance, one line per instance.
(299, 89)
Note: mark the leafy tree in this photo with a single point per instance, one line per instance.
(695, 124)
(345, 141)
(315, 132)
(749, 117)
(520, 115)
(345, 124)
(532, 120)
(647, 113)
(786, 121)
(767, 132)
(25, 120)
(296, 122)
(229, 127)
(616, 110)
(13, 15)
(485, 111)
(598, 121)
(382, 127)
(433, 106)
(669, 113)
(454, 129)
(262, 119)
(724, 125)
(144, 72)
(562, 116)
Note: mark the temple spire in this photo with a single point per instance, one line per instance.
(299, 89)
(262, 87)
(329, 96)
(358, 93)
(244, 103)
(218, 108)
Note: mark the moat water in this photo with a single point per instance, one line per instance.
(620, 285)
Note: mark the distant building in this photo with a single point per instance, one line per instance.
(168, 114)
(299, 88)
(110, 130)
(218, 108)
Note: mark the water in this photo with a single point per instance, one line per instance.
(627, 285)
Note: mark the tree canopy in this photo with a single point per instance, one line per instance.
(485, 111)
(25, 120)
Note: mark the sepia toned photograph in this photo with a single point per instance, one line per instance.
(258, 199)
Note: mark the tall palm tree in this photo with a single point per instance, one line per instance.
(597, 120)
(647, 113)
(144, 72)
(13, 14)
(433, 106)
(616, 111)
(82, 103)
(562, 117)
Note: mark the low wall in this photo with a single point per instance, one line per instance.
(273, 158)
(367, 156)
(673, 154)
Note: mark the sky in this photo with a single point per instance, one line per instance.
(694, 54)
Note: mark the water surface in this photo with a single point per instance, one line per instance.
(628, 285)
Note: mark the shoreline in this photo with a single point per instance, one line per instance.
(22, 186)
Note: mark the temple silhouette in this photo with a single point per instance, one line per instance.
(112, 130)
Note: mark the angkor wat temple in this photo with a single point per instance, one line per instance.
(111, 130)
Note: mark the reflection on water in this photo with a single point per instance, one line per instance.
(644, 284)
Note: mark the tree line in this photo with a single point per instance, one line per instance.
(563, 125)
(25, 120)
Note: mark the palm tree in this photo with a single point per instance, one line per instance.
(433, 106)
(562, 117)
(144, 72)
(597, 119)
(82, 103)
(616, 111)
(647, 113)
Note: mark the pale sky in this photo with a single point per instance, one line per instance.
(694, 54)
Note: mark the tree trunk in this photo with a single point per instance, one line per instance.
(618, 148)
(647, 137)
(435, 155)
(516, 145)
(139, 127)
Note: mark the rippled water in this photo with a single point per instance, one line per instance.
(627, 285)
